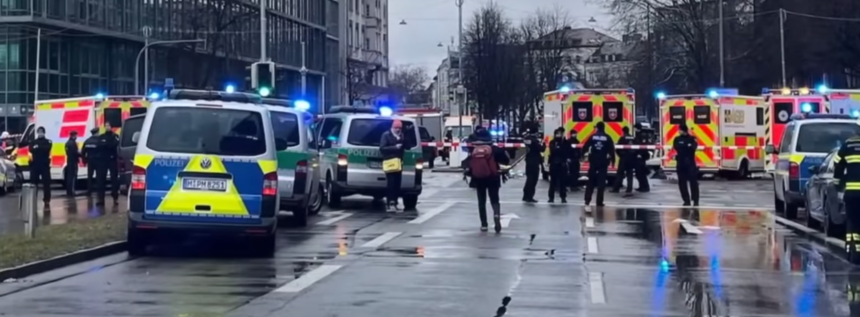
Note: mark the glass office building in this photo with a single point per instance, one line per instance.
(90, 46)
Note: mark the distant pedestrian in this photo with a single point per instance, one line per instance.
(847, 171)
(484, 168)
(685, 146)
(73, 158)
(534, 157)
(626, 163)
(601, 155)
(559, 153)
(391, 147)
(40, 164)
(90, 155)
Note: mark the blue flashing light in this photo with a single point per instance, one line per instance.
(664, 265)
(713, 94)
(822, 89)
(230, 89)
(154, 95)
(661, 95)
(565, 89)
(806, 107)
(100, 95)
(265, 92)
(855, 113)
(386, 111)
(302, 105)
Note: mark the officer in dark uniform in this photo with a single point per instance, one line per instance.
(534, 157)
(601, 154)
(558, 155)
(90, 156)
(642, 156)
(847, 171)
(108, 148)
(625, 164)
(73, 158)
(573, 161)
(685, 146)
(40, 164)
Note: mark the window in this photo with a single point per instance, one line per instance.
(677, 115)
(702, 114)
(131, 126)
(137, 111)
(787, 138)
(331, 129)
(582, 112)
(782, 112)
(759, 116)
(424, 134)
(113, 116)
(613, 112)
(824, 137)
(368, 132)
(203, 130)
(286, 128)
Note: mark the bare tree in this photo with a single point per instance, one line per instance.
(407, 79)
(543, 58)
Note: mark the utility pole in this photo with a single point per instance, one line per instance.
(147, 33)
(782, 44)
(461, 89)
(38, 66)
(722, 47)
(263, 36)
(304, 71)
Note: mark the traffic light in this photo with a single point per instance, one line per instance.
(263, 77)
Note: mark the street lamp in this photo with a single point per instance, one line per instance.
(439, 45)
(144, 48)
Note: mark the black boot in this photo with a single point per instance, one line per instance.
(482, 213)
(497, 217)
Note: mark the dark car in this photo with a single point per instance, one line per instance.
(428, 151)
(824, 199)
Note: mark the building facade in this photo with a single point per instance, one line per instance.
(366, 74)
(84, 47)
(445, 84)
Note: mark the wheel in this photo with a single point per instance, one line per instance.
(316, 206)
(743, 170)
(265, 247)
(332, 197)
(410, 202)
(136, 243)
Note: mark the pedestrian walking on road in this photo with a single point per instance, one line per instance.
(391, 147)
(847, 171)
(685, 146)
(107, 163)
(559, 153)
(90, 156)
(626, 163)
(73, 158)
(40, 164)
(484, 168)
(534, 158)
(601, 155)
(642, 156)
(573, 161)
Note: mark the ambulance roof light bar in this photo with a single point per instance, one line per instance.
(804, 116)
(822, 89)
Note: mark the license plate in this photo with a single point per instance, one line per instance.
(216, 185)
(374, 164)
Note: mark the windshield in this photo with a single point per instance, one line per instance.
(286, 128)
(460, 132)
(204, 130)
(368, 132)
(424, 134)
(823, 137)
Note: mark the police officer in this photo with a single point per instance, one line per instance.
(685, 146)
(40, 164)
(573, 161)
(533, 160)
(601, 155)
(847, 170)
(73, 158)
(558, 155)
(642, 156)
(90, 156)
(108, 147)
(625, 164)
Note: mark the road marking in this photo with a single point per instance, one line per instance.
(308, 279)
(432, 213)
(506, 219)
(592, 245)
(331, 221)
(589, 222)
(595, 282)
(380, 240)
(614, 204)
(690, 228)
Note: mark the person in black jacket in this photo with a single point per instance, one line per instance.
(73, 158)
(573, 161)
(534, 158)
(601, 154)
(847, 171)
(90, 156)
(487, 185)
(642, 157)
(625, 164)
(107, 163)
(558, 156)
(40, 164)
(685, 146)
(391, 147)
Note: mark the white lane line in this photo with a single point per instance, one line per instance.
(592, 245)
(690, 228)
(595, 283)
(432, 213)
(308, 279)
(331, 221)
(589, 222)
(380, 240)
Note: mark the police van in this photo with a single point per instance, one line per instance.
(350, 161)
(805, 142)
(299, 186)
(205, 164)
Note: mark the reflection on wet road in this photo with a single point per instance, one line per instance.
(551, 260)
(62, 210)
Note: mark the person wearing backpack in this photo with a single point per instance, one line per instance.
(484, 167)
(391, 148)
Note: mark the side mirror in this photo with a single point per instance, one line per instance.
(135, 137)
(813, 170)
(769, 149)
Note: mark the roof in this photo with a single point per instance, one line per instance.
(579, 37)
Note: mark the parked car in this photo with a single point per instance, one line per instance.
(429, 152)
(824, 199)
(11, 179)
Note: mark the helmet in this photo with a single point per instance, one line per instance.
(4, 135)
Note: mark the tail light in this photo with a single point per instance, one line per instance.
(341, 160)
(302, 167)
(138, 178)
(793, 170)
(270, 184)
(419, 165)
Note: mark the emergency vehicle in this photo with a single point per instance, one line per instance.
(60, 117)
(580, 109)
(730, 131)
(844, 101)
(781, 105)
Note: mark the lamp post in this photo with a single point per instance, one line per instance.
(144, 49)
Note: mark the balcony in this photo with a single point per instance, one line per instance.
(369, 57)
(372, 22)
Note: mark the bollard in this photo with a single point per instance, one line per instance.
(28, 203)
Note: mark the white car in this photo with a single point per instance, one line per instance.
(9, 178)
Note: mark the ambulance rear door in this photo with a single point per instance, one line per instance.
(742, 125)
(615, 108)
(780, 109)
(115, 109)
(845, 102)
(700, 114)
(60, 118)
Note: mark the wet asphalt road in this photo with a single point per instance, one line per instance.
(636, 257)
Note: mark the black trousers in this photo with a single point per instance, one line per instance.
(532, 176)
(625, 171)
(70, 176)
(102, 169)
(392, 186)
(596, 178)
(852, 225)
(41, 177)
(558, 180)
(493, 193)
(642, 175)
(573, 175)
(688, 183)
(91, 177)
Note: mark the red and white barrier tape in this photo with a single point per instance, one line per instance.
(630, 147)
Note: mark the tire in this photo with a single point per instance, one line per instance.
(136, 243)
(332, 196)
(410, 202)
(743, 170)
(265, 247)
(315, 208)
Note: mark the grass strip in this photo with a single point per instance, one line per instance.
(56, 240)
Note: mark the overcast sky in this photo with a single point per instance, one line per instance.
(429, 22)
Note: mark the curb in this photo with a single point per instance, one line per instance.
(62, 261)
(830, 242)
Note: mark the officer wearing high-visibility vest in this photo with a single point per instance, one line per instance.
(847, 171)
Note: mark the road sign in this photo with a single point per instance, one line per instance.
(168, 83)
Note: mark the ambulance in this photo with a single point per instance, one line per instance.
(724, 125)
(844, 101)
(60, 117)
(580, 109)
(781, 104)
